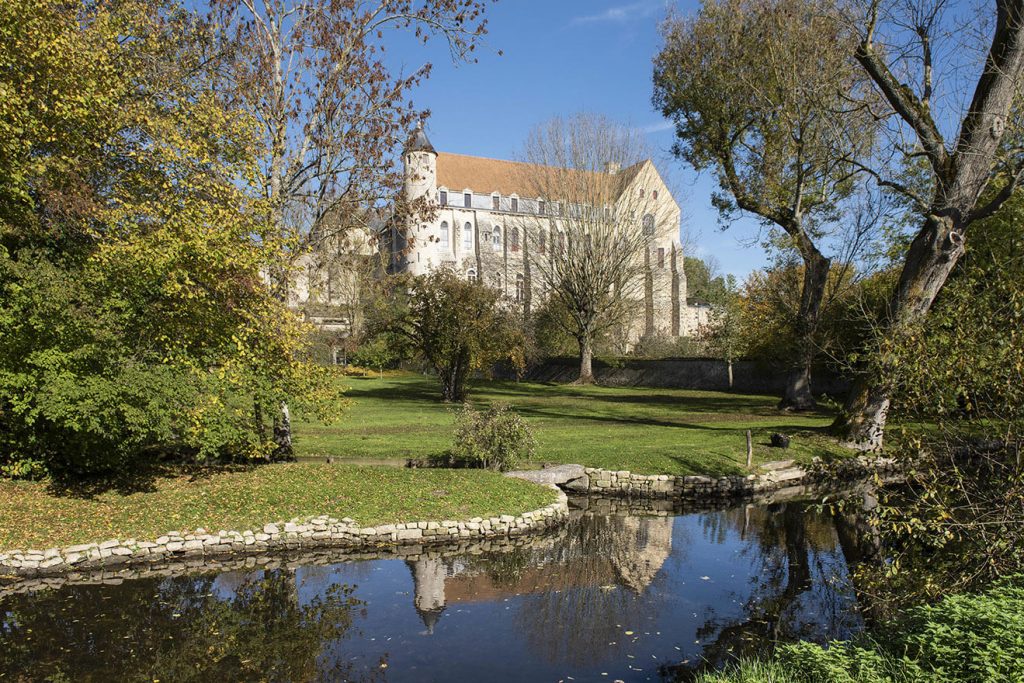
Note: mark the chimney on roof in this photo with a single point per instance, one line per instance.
(611, 167)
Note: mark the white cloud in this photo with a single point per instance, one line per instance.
(620, 13)
(657, 127)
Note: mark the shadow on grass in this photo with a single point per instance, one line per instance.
(139, 479)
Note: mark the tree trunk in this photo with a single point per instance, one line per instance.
(930, 259)
(586, 361)
(283, 432)
(797, 395)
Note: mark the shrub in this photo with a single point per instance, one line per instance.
(497, 438)
(966, 637)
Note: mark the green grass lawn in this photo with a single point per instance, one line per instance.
(38, 515)
(651, 431)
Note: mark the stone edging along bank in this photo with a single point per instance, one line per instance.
(319, 531)
(773, 475)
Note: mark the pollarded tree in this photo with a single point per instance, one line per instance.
(920, 79)
(597, 219)
(752, 87)
(332, 112)
(456, 325)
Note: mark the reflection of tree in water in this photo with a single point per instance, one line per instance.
(583, 610)
(800, 592)
(180, 629)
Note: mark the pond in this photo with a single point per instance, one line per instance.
(624, 592)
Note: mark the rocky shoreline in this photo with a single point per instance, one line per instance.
(322, 531)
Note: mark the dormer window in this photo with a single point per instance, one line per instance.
(496, 202)
(442, 198)
(467, 200)
(540, 206)
(515, 204)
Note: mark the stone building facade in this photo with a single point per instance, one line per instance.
(487, 224)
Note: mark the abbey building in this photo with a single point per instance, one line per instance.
(488, 223)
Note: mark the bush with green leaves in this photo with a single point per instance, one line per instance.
(965, 637)
(497, 438)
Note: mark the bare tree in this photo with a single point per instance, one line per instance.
(330, 112)
(956, 179)
(754, 88)
(599, 209)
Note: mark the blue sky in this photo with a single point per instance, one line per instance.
(561, 57)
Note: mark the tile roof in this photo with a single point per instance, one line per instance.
(485, 176)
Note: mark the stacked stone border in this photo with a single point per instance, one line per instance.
(773, 476)
(308, 533)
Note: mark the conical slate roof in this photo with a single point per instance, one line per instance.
(418, 141)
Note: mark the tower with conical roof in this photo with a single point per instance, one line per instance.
(420, 162)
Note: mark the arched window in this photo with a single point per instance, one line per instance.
(497, 237)
(513, 239)
(471, 274)
(654, 195)
(520, 288)
(648, 225)
(444, 234)
(542, 241)
(467, 237)
(497, 280)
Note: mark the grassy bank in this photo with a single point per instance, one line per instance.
(652, 431)
(39, 515)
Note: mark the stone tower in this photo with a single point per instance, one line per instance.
(420, 162)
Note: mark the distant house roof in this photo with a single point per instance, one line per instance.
(485, 176)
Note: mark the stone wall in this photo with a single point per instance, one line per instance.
(320, 531)
(770, 477)
(684, 373)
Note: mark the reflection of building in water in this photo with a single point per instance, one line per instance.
(628, 551)
(646, 542)
(428, 576)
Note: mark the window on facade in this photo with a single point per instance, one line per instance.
(540, 206)
(497, 280)
(561, 242)
(515, 203)
(467, 237)
(520, 288)
(641, 193)
(467, 200)
(496, 202)
(444, 234)
(542, 241)
(561, 208)
(497, 237)
(443, 198)
(648, 225)
(513, 239)
(661, 257)
(654, 194)
(471, 274)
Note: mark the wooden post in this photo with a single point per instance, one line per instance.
(750, 450)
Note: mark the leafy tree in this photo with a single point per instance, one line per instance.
(752, 88)
(960, 372)
(135, 316)
(954, 180)
(458, 327)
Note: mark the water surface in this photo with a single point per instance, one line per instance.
(630, 595)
